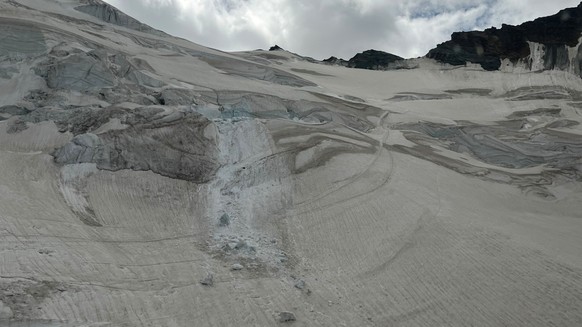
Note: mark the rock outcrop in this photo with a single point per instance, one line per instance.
(373, 59)
(546, 43)
(335, 61)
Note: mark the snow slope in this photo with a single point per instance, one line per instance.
(136, 165)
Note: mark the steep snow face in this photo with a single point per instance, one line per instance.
(149, 181)
(111, 15)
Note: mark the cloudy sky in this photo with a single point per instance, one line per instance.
(322, 28)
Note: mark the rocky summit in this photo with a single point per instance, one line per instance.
(150, 181)
(373, 59)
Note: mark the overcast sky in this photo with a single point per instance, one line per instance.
(324, 28)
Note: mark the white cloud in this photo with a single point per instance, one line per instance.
(425, 32)
(331, 27)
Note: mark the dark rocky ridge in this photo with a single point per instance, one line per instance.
(488, 48)
(335, 61)
(373, 59)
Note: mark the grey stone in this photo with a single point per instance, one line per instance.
(45, 251)
(287, 316)
(236, 266)
(208, 280)
(224, 220)
(300, 284)
(241, 245)
(282, 258)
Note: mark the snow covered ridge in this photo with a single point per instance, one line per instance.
(150, 181)
(112, 15)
